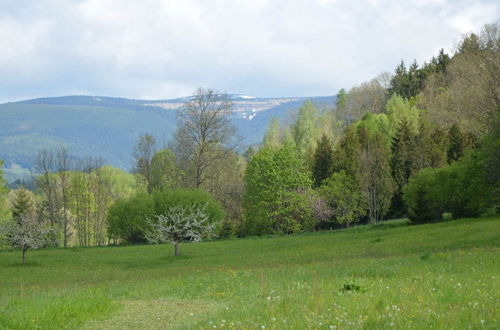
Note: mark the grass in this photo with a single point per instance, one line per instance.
(443, 275)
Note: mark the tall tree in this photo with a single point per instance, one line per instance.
(322, 166)
(346, 154)
(164, 171)
(63, 167)
(144, 151)
(44, 167)
(403, 163)
(276, 187)
(375, 175)
(304, 130)
(225, 183)
(369, 97)
(342, 194)
(272, 137)
(204, 125)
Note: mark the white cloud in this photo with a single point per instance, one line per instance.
(162, 49)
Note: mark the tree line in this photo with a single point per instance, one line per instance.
(422, 142)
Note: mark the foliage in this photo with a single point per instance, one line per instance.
(468, 94)
(21, 202)
(4, 210)
(368, 97)
(144, 150)
(398, 110)
(276, 188)
(165, 200)
(347, 152)
(403, 163)
(322, 166)
(204, 124)
(459, 142)
(304, 130)
(344, 197)
(25, 233)
(407, 83)
(225, 183)
(127, 218)
(164, 171)
(375, 177)
(422, 199)
(272, 137)
(180, 224)
(490, 152)
(460, 189)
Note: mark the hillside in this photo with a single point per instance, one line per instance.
(108, 127)
(370, 277)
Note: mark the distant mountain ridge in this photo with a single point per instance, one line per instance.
(108, 127)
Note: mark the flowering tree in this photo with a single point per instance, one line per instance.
(180, 224)
(26, 233)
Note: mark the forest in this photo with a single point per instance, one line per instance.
(421, 143)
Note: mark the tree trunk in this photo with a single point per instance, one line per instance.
(24, 253)
(176, 249)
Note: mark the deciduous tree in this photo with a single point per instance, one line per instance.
(25, 233)
(204, 125)
(180, 224)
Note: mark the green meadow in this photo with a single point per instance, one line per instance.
(444, 275)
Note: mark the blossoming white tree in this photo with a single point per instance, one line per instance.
(180, 224)
(25, 233)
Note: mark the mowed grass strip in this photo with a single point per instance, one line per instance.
(443, 275)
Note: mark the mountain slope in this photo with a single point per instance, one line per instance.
(108, 127)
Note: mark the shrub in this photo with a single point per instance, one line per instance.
(127, 219)
(185, 198)
(459, 188)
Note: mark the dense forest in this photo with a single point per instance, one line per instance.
(422, 142)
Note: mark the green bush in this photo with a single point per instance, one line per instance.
(460, 188)
(127, 218)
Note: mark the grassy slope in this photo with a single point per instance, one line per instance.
(444, 275)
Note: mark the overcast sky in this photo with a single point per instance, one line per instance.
(165, 48)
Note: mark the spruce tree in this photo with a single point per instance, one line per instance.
(402, 164)
(22, 204)
(322, 161)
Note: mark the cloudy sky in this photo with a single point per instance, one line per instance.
(167, 48)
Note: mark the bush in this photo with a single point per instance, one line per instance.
(127, 219)
(165, 200)
(460, 188)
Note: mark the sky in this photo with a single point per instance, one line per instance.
(160, 49)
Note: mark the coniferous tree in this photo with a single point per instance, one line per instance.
(459, 142)
(323, 161)
(346, 155)
(403, 164)
(22, 204)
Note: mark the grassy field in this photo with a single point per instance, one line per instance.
(443, 275)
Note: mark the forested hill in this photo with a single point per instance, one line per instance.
(108, 127)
